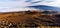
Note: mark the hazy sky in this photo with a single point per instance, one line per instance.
(10, 5)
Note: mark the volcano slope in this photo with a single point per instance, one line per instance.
(26, 19)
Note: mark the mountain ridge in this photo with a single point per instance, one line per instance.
(45, 7)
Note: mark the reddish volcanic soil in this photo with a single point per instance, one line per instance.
(20, 17)
(28, 18)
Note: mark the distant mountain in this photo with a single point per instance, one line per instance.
(45, 7)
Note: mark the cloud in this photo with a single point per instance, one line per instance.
(55, 3)
(21, 3)
(15, 5)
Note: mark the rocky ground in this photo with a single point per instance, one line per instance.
(27, 19)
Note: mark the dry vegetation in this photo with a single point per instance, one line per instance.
(25, 19)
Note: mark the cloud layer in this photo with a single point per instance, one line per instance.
(13, 5)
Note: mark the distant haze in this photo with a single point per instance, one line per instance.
(18, 5)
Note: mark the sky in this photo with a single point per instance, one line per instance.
(21, 5)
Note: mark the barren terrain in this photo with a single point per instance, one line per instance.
(27, 19)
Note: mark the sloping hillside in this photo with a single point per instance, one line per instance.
(26, 19)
